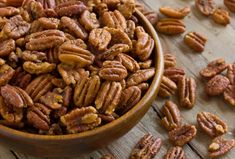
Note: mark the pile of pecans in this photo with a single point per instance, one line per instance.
(70, 66)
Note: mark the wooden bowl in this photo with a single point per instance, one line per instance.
(76, 144)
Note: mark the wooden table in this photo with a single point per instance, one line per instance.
(221, 43)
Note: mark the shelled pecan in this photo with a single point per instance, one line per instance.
(211, 124)
(170, 26)
(230, 4)
(172, 117)
(145, 64)
(220, 147)
(231, 73)
(9, 11)
(174, 73)
(175, 153)
(169, 61)
(182, 135)
(187, 92)
(6, 74)
(175, 13)
(206, 7)
(229, 94)
(167, 87)
(6, 47)
(129, 62)
(195, 41)
(221, 16)
(147, 147)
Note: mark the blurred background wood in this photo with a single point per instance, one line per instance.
(221, 43)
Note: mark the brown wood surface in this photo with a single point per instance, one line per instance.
(221, 43)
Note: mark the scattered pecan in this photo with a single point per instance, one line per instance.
(145, 64)
(38, 116)
(127, 61)
(114, 19)
(175, 153)
(81, 119)
(167, 87)
(229, 94)
(144, 45)
(220, 147)
(170, 26)
(44, 40)
(216, 85)
(99, 38)
(175, 13)
(108, 97)
(15, 27)
(21, 78)
(89, 20)
(206, 7)
(230, 4)
(147, 147)
(187, 92)
(213, 68)
(182, 135)
(211, 124)
(169, 61)
(6, 47)
(129, 98)
(6, 74)
(69, 8)
(38, 68)
(39, 86)
(231, 73)
(152, 16)
(74, 53)
(86, 90)
(221, 16)
(71, 75)
(113, 71)
(195, 41)
(73, 27)
(172, 117)
(8, 11)
(174, 73)
(140, 76)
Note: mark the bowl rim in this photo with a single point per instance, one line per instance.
(149, 96)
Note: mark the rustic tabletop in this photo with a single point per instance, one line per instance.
(221, 43)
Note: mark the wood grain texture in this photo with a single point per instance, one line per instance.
(221, 43)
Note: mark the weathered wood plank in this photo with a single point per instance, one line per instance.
(6, 154)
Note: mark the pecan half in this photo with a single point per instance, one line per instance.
(113, 51)
(38, 116)
(34, 56)
(81, 119)
(33, 9)
(172, 117)
(89, 20)
(108, 97)
(72, 53)
(70, 8)
(145, 64)
(127, 8)
(38, 68)
(39, 86)
(15, 27)
(220, 147)
(230, 4)
(130, 97)
(86, 90)
(231, 73)
(229, 94)
(71, 75)
(99, 38)
(221, 16)
(182, 135)
(213, 68)
(6, 74)
(15, 96)
(52, 100)
(8, 11)
(53, 55)
(170, 26)
(206, 7)
(216, 85)
(175, 13)
(147, 147)
(187, 92)
(44, 40)
(73, 27)
(140, 76)
(211, 124)
(130, 28)
(167, 87)
(169, 61)
(195, 41)
(49, 23)
(113, 71)
(21, 78)
(114, 19)
(174, 73)
(143, 87)
(175, 153)
(127, 61)
(6, 47)
(144, 45)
